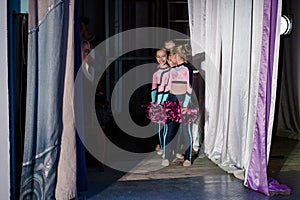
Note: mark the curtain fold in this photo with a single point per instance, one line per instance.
(47, 93)
(67, 171)
(257, 171)
(240, 88)
(230, 43)
(273, 62)
(289, 106)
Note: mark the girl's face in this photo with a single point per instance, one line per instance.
(179, 59)
(172, 59)
(85, 50)
(161, 57)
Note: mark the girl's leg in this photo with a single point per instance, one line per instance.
(180, 136)
(172, 128)
(160, 133)
(160, 137)
(180, 139)
(188, 141)
(166, 141)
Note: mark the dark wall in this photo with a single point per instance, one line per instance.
(135, 14)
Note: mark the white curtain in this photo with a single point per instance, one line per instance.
(232, 69)
(230, 33)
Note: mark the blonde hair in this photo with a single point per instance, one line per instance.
(169, 44)
(183, 50)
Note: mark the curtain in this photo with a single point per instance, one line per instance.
(256, 176)
(49, 132)
(289, 106)
(66, 170)
(240, 42)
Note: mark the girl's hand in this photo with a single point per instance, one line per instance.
(183, 111)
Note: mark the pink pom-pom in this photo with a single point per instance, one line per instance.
(190, 116)
(156, 113)
(171, 111)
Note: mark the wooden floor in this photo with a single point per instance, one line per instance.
(200, 167)
(284, 155)
(284, 165)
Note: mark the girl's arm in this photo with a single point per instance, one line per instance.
(163, 87)
(167, 80)
(189, 89)
(153, 89)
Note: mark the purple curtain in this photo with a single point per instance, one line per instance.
(257, 172)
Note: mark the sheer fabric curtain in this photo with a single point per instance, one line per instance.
(49, 133)
(232, 34)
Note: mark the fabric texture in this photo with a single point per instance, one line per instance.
(231, 81)
(66, 173)
(239, 79)
(48, 36)
(289, 115)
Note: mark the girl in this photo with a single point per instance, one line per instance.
(158, 96)
(180, 87)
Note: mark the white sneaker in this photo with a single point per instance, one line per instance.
(179, 156)
(165, 162)
(201, 153)
(187, 163)
(160, 152)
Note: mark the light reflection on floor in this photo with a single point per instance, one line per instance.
(203, 180)
(207, 187)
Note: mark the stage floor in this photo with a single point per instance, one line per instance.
(203, 180)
